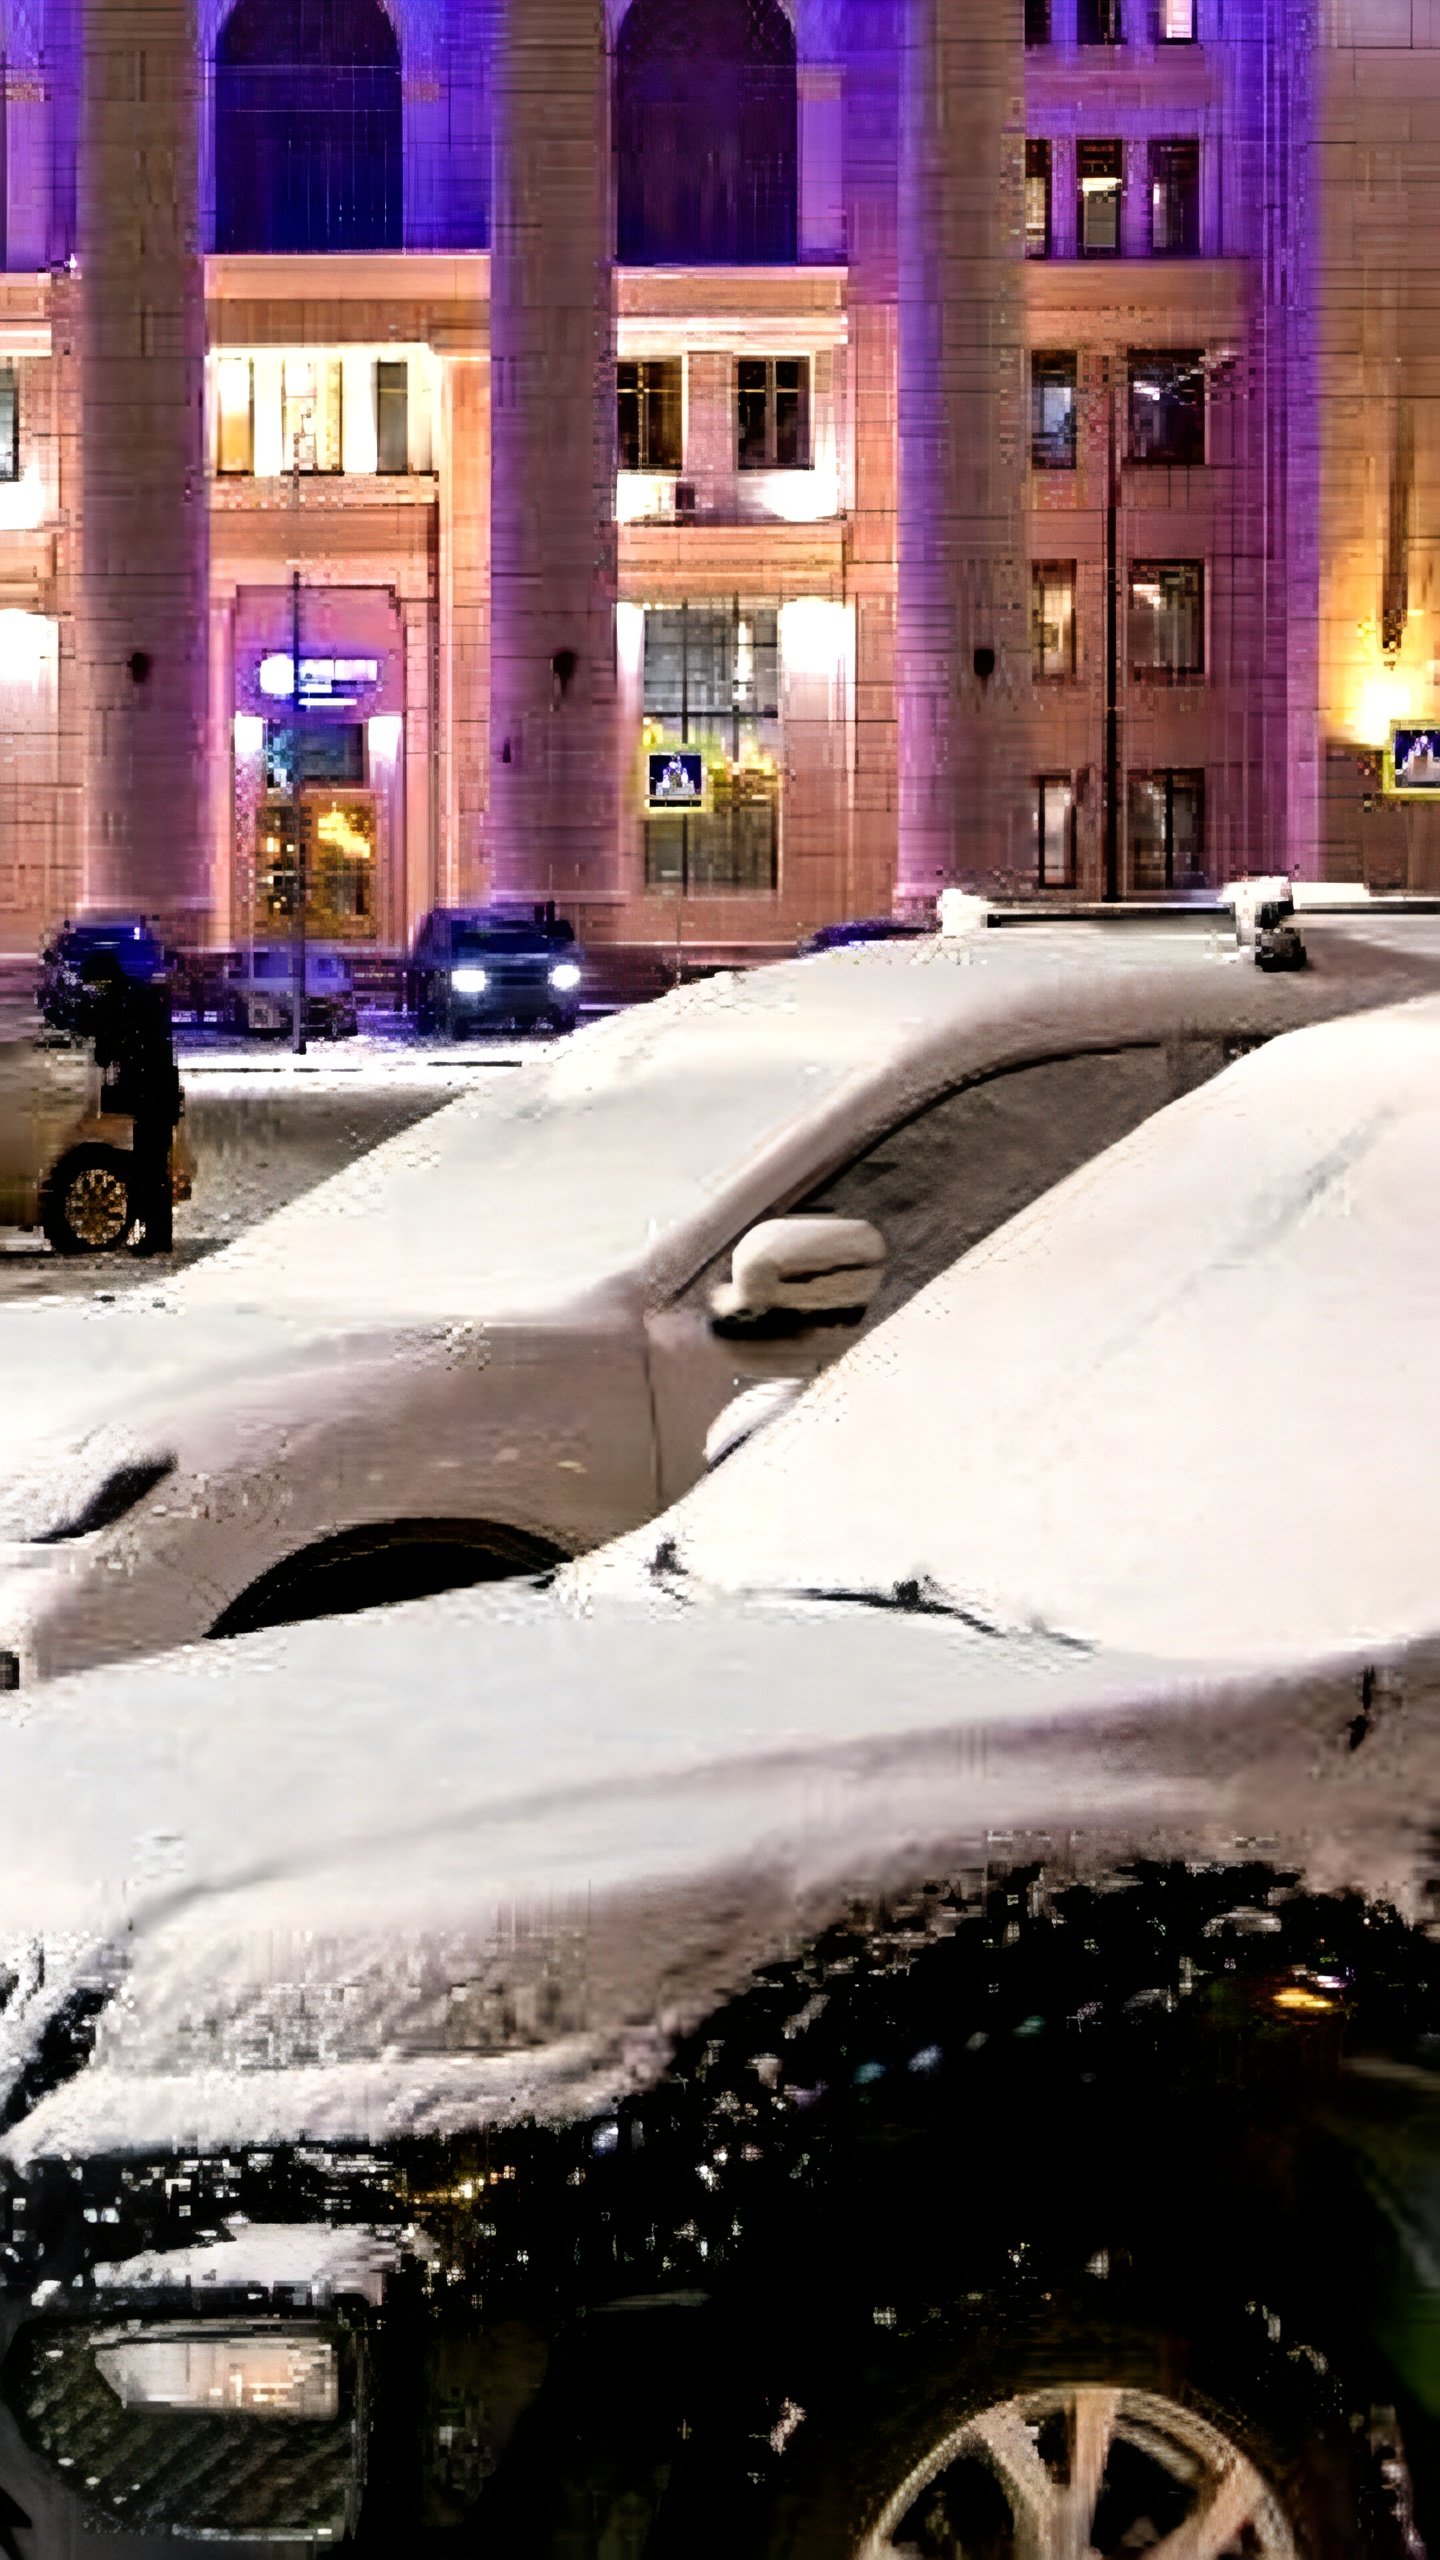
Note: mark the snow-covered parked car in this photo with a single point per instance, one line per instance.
(895, 2012)
(493, 1342)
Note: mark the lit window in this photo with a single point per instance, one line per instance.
(1037, 199)
(9, 424)
(1101, 170)
(234, 414)
(1175, 199)
(1177, 21)
(1167, 406)
(773, 413)
(712, 680)
(1167, 830)
(392, 414)
(649, 406)
(1052, 618)
(1167, 620)
(1054, 823)
(1053, 402)
(311, 413)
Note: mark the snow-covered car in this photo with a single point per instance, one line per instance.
(895, 2012)
(64, 1160)
(259, 993)
(495, 1341)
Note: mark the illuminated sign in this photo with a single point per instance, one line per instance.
(1412, 763)
(677, 783)
(321, 679)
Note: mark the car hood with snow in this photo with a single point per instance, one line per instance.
(849, 1660)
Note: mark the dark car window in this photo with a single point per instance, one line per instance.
(947, 1178)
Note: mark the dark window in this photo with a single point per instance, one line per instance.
(649, 403)
(1098, 22)
(1167, 620)
(1175, 199)
(9, 424)
(706, 134)
(308, 128)
(1167, 406)
(392, 414)
(1037, 199)
(772, 404)
(1167, 830)
(1053, 403)
(712, 679)
(1037, 21)
(1054, 823)
(951, 1176)
(1052, 618)
(1100, 168)
(331, 752)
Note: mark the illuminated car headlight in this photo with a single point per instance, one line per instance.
(564, 976)
(469, 982)
(245, 2373)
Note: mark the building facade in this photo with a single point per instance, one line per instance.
(729, 464)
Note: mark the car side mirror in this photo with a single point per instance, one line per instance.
(790, 1274)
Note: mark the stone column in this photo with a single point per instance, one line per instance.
(554, 803)
(143, 624)
(962, 631)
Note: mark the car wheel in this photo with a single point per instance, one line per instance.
(86, 1208)
(1102, 2443)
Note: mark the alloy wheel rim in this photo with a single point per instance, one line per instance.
(1088, 2471)
(97, 1206)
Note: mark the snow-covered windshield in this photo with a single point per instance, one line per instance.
(1142, 1413)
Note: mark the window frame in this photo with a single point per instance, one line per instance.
(10, 441)
(390, 364)
(771, 393)
(1165, 34)
(1175, 143)
(234, 470)
(1193, 778)
(1055, 357)
(1143, 672)
(1108, 21)
(1137, 359)
(1040, 170)
(1043, 783)
(744, 723)
(1094, 145)
(642, 367)
(1061, 572)
(334, 366)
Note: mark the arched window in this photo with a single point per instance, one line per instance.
(308, 127)
(705, 134)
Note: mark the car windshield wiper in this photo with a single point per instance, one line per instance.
(912, 1596)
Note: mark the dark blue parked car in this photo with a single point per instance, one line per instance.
(140, 953)
(473, 968)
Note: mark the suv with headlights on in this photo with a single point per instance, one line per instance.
(474, 968)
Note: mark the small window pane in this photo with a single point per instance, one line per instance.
(773, 413)
(1175, 199)
(1052, 606)
(311, 413)
(1167, 619)
(392, 414)
(234, 409)
(1098, 22)
(1037, 21)
(9, 425)
(1053, 402)
(1167, 406)
(1054, 816)
(1177, 21)
(1037, 199)
(1101, 170)
(649, 412)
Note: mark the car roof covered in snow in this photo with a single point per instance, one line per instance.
(1186, 1404)
(607, 1157)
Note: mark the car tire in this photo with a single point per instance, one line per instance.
(1184, 2417)
(376, 1569)
(86, 1207)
